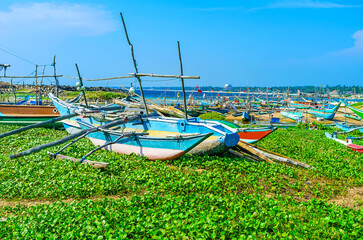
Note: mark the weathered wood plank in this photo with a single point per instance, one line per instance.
(73, 136)
(94, 164)
(243, 145)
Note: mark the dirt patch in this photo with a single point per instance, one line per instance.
(29, 203)
(353, 199)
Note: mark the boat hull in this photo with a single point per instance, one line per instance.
(153, 148)
(150, 153)
(223, 136)
(28, 111)
(23, 115)
(252, 136)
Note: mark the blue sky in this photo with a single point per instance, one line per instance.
(262, 43)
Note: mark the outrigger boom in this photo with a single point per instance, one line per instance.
(162, 75)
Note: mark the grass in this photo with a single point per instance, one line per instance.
(94, 95)
(357, 105)
(191, 197)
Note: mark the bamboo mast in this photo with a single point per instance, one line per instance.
(12, 88)
(182, 81)
(135, 65)
(81, 85)
(36, 84)
(55, 78)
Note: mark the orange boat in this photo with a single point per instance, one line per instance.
(26, 114)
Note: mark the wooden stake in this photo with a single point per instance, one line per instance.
(73, 136)
(94, 164)
(55, 78)
(243, 145)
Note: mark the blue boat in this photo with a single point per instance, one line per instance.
(223, 137)
(153, 148)
(346, 128)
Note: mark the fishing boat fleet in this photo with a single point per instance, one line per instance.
(161, 132)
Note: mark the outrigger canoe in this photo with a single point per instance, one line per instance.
(292, 115)
(153, 148)
(347, 142)
(222, 138)
(24, 115)
(346, 128)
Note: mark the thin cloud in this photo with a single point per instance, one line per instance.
(305, 4)
(218, 9)
(357, 48)
(63, 19)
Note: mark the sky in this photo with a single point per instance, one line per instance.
(255, 43)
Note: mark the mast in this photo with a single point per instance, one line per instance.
(81, 86)
(135, 66)
(182, 81)
(55, 78)
(36, 84)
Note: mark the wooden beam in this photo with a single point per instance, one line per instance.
(31, 76)
(73, 136)
(250, 149)
(94, 164)
(162, 75)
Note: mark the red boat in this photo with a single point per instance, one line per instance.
(252, 135)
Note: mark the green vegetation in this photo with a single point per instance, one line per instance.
(191, 197)
(357, 105)
(94, 95)
(212, 115)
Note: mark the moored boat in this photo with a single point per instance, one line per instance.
(348, 142)
(153, 148)
(25, 114)
(292, 115)
(223, 137)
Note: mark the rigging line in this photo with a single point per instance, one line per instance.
(99, 79)
(18, 56)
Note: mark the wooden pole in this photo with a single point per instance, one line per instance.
(135, 65)
(163, 75)
(55, 78)
(36, 84)
(182, 81)
(41, 85)
(73, 136)
(94, 164)
(81, 83)
(37, 76)
(50, 121)
(12, 88)
(243, 145)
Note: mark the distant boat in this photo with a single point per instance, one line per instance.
(292, 115)
(326, 110)
(327, 114)
(346, 128)
(355, 110)
(353, 116)
(300, 105)
(323, 116)
(347, 142)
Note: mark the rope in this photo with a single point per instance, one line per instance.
(13, 54)
(99, 79)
